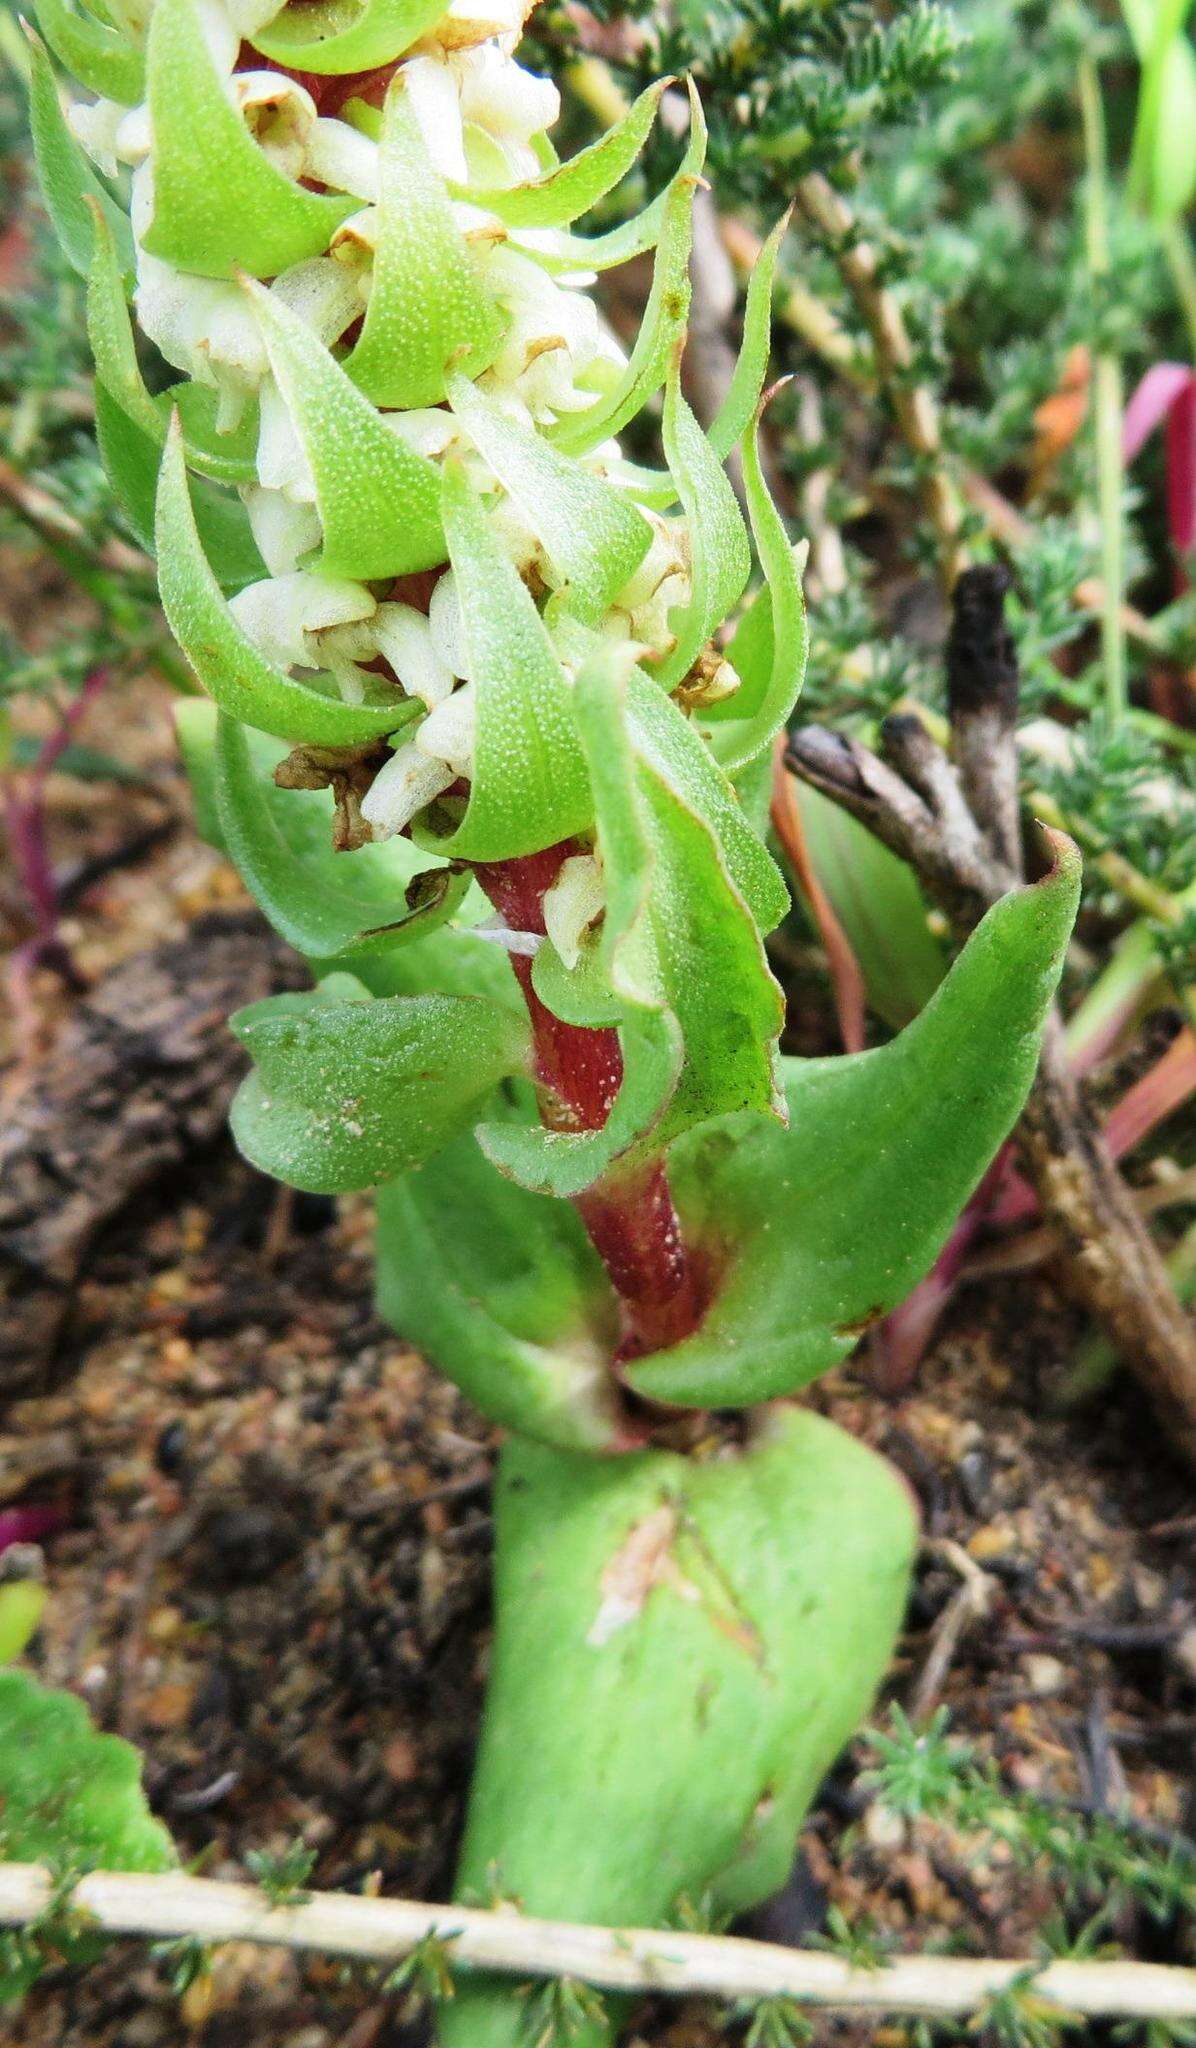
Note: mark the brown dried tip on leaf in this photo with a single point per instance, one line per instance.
(710, 680)
(349, 773)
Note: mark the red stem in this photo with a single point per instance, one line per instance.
(629, 1217)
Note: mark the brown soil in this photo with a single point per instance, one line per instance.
(274, 1572)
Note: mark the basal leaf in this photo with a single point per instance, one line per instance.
(721, 559)
(503, 1292)
(65, 175)
(739, 740)
(817, 1230)
(70, 1796)
(572, 188)
(348, 1094)
(529, 782)
(340, 36)
(102, 59)
(594, 539)
(220, 205)
(662, 327)
(232, 670)
(876, 899)
(331, 906)
(428, 308)
(22, 1604)
(132, 460)
(379, 502)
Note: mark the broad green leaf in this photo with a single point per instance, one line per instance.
(877, 901)
(65, 175)
(738, 409)
(662, 327)
(572, 188)
(739, 740)
(503, 1292)
(818, 1230)
(443, 961)
(529, 783)
(594, 539)
(427, 307)
(133, 459)
(70, 1796)
(231, 669)
(333, 906)
(227, 458)
(348, 1094)
(682, 1646)
(379, 502)
(102, 59)
(340, 36)
(721, 559)
(220, 205)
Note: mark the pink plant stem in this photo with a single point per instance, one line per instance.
(1161, 1091)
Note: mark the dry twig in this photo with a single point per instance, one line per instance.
(629, 1959)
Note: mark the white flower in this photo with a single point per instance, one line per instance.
(500, 96)
(448, 626)
(403, 786)
(575, 900)
(343, 159)
(552, 338)
(448, 733)
(403, 637)
(282, 463)
(432, 95)
(282, 614)
(284, 531)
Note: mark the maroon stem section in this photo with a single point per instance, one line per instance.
(630, 1218)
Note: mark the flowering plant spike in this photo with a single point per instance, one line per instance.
(480, 740)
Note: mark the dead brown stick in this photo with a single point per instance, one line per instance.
(920, 804)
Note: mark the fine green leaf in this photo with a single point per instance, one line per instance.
(817, 1230)
(346, 1094)
(340, 36)
(132, 461)
(503, 1292)
(65, 175)
(572, 188)
(594, 539)
(231, 669)
(70, 1796)
(220, 205)
(22, 1604)
(103, 60)
(738, 409)
(721, 560)
(379, 502)
(529, 782)
(331, 906)
(662, 327)
(427, 307)
(740, 740)
(629, 238)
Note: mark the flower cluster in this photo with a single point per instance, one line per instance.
(476, 122)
